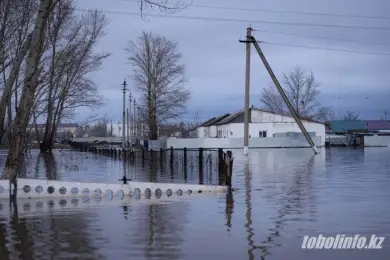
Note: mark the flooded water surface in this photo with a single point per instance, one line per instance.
(282, 195)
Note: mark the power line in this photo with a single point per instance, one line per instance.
(291, 12)
(326, 49)
(322, 38)
(246, 21)
(281, 11)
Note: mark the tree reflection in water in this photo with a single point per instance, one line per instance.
(47, 236)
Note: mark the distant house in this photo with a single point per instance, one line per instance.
(359, 126)
(262, 124)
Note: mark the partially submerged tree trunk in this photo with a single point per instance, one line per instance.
(18, 131)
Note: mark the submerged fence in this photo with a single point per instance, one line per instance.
(178, 160)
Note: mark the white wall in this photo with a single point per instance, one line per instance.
(212, 131)
(237, 130)
(277, 142)
(377, 141)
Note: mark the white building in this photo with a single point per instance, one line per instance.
(262, 124)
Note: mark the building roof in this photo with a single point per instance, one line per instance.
(230, 118)
(340, 126)
(233, 116)
(214, 120)
(377, 124)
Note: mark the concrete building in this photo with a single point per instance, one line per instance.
(262, 124)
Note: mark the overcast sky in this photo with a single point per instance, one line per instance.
(215, 60)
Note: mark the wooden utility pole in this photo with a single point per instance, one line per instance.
(247, 85)
(135, 121)
(127, 125)
(139, 122)
(124, 116)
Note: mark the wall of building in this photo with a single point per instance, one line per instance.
(377, 140)
(237, 130)
(200, 131)
(277, 142)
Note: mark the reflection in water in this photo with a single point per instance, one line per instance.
(291, 204)
(229, 208)
(248, 205)
(47, 237)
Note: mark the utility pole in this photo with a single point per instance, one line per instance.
(130, 121)
(124, 116)
(247, 85)
(127, 125)
(139, 122)
(135, 121)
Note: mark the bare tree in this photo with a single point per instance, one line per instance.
(325, 114)
(159, 77)
(69, 88)
(350, 115)
(18, 131)
(194, 121)
(301, 90)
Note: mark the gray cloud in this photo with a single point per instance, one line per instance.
(215, 60)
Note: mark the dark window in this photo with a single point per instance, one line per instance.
(263, 134)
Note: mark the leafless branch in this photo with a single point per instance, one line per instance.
(350, 115)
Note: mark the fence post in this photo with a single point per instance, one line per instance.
(171, 156)
(185, 157)
(229, 168)
(201, 157)
(221, 166)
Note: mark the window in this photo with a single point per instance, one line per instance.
(263, 134)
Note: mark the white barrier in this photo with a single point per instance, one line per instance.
(35, 188)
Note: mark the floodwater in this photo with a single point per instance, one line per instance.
(282, 195)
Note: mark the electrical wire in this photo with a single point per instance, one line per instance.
(326, 49)
(199, 18)
(322, 38)
(235, 20)
(281, 11)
